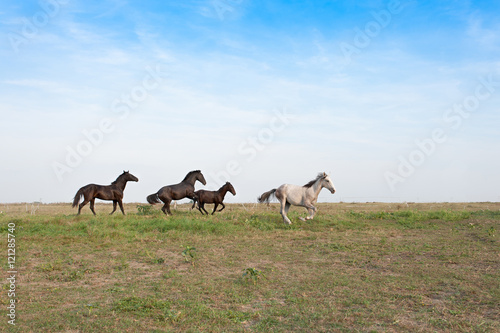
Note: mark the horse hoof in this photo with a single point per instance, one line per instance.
(302, 219)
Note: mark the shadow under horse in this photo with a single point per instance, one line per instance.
(212, 197)
(104, 192)
(185, 189)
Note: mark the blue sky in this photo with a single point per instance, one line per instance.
(398, 100)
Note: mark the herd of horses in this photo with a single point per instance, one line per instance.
(287, 194)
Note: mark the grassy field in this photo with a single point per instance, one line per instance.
(355, 268)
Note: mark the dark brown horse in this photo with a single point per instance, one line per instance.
(104, 192)
(212, 197)
(184, 189)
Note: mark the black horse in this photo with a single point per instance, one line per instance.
(184, 189)
(104, 192)
(212, 197)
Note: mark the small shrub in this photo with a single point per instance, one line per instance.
(252, 274)
(158, 261)
(146, 210)
(143, 305)
(260, 222)
(90, 307)
(189, 254)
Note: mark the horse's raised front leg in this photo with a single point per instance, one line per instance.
(311, 210)
(223, 206)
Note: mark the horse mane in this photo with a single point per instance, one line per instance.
(190, 174)
(227, 184)
(118, 178)
(311, 183)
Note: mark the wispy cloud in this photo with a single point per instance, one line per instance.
(225, 73)
(488, 38)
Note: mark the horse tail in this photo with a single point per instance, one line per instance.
(153, 198)
(266, 197)
(78, 195)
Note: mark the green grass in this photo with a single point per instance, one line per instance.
(358, 267)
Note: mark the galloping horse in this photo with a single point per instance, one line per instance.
(104, 192)
(212, 197)
(305, 196)
(184, 189)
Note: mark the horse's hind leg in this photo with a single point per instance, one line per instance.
(202, 205)
(285, 205)
(166, 208)
(84, 202)
(284, 212)
(92, 205)
(197, 206)
(80, 207)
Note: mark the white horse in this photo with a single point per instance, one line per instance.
(305, 196)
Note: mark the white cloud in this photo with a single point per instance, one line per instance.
(487, 38)
(222, 88)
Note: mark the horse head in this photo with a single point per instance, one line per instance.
(230, 188)
(327, 182)
(129, 177)
(201, 178)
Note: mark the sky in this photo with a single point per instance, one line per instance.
(397, 100)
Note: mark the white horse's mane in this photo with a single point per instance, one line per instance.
(319, 176)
